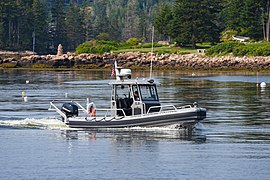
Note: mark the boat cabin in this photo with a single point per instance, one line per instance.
(133, 97)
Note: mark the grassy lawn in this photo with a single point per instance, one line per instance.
(160, 50)
(257, 44)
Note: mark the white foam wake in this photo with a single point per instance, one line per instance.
(44, 123)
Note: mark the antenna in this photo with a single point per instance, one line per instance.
(152, 49)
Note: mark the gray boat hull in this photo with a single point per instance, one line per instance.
(183, 117)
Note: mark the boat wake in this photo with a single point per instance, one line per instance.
(44, 123)
(166, 132)
(53, 123)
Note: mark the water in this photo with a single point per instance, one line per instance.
(232, 143)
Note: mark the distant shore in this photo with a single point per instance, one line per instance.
(136, 60)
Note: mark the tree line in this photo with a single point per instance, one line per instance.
(195, 21)
(40, 25)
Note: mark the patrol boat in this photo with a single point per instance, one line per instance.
(134, 103)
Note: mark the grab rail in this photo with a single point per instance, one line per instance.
(81, 108)
(183, 107)
(58, 111)
(161, 108)
(108, 110)
(166, 106)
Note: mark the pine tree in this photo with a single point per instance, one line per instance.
(87, 12)
(132, 21)
(231, 14)
(100, 17)
(246, 17)
(251, 19)
(58, 23)
(2, 28)
(195, 21)
(40, 25)
(9, 14)
(74, 26)
(163, 20)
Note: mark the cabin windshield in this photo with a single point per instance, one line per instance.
(148, 92)
(122, 91)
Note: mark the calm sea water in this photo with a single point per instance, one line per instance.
(232, 143)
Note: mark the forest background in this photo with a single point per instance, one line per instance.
(43, 24)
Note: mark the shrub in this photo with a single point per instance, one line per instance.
(124, 45)
(227, 35)
(133, 41)
(263, 50)
(222, 48)
(96, 47)
(103, 36)
(240, 50)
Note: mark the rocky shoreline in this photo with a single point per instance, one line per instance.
(137, 60)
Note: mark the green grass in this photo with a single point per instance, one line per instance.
(160, 50)
(257, 44)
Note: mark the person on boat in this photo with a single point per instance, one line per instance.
(136, 96)
(91, 110)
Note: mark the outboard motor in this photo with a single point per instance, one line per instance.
(70, 109)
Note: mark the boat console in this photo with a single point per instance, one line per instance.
(133, 96)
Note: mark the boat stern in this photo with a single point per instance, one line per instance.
(201, 113)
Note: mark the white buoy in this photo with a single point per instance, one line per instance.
(66, 95)
(25, 99)
(263, 85)
(27, 81)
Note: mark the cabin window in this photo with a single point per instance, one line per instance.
(123, 98)
(149, 92)
(136, 93)
(123, 91)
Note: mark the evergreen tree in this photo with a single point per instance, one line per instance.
(40, 25)
(100, 16)
(2, 29)
(116, 14)
(163, 20)
(74, 26)
(231, 14)
(9, 15)
(132, 21)
(58, 23)
(195, 21)
(245, 17)
(87, 12)
(251, 19)
(25, 24)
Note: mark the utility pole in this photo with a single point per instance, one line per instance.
(152, 51)
(34, 41)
